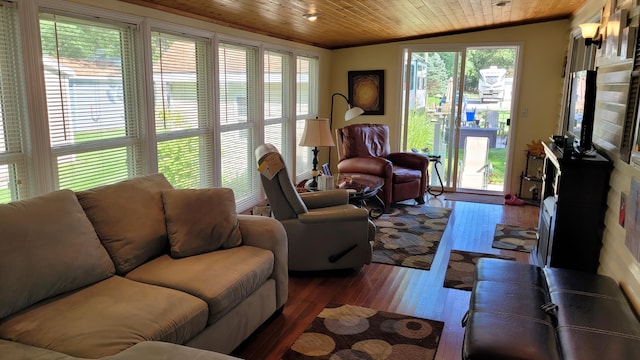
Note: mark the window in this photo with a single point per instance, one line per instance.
(306, 107)
(89, 71)
(182, 112)
(276, 99)
(237, 87)
(195, 115)
(13, 177)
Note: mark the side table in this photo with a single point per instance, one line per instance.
(363, 187)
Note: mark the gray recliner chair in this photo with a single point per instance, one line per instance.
(324, 231)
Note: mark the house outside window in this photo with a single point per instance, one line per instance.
(92, 101)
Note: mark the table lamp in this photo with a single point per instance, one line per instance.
(316, 133)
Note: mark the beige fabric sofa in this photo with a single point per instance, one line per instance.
(134, 268)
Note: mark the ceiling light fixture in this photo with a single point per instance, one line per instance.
(311, 16)
(501, 3)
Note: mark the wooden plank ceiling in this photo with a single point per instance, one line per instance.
(347, 23)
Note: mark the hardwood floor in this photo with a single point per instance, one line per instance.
(395, 289)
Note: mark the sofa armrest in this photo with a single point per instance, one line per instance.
(320, 199)
(269, 234)
(410, 160)
(367, 165)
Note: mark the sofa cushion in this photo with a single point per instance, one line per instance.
(107, 318)
(491, 335)
(17, 351)
(222, 278)
(164, 351)
(129, 219)
(499, 297)
(509, 271)
(142, 350)
(584, 343)
(47, 247)
(201, 220)
(403, 174)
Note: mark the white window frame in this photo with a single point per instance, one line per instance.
(40, 156)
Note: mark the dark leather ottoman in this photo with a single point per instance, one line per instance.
(522, 311)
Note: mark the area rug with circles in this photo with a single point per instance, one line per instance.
(409, 235)
(461, 268)
(354, 332)
(516, 238)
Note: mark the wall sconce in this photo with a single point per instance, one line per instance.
(590, 34)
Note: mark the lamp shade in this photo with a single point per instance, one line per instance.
(316, 133)
(352, 113)
(589, 30)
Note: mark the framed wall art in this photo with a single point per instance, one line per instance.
(366, 90)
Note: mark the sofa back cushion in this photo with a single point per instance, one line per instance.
(47, 247)
(201, 220)
(129, 219)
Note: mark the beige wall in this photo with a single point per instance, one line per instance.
(538, 104)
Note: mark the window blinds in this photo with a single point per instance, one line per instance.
(182, 112)
(91, 100)
(237, 88)
(13, 176)
(306, 107)
(276, 99)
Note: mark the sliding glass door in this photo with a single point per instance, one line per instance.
(457, 110)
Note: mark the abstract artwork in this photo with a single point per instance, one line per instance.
(366, 90)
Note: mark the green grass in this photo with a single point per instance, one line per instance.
(497, 158)
(5, 196)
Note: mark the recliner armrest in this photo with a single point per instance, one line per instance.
(320, 199)
(367, 165)
(333, 215)
(410, 160)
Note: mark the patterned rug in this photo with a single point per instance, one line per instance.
(409, 235)
(517, 238)
(353, 332)
(462, 265)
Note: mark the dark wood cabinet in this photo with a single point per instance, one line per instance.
(572, 210)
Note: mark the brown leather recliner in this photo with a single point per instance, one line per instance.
(365, 149)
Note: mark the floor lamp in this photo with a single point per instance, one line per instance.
(352, 113)
(317, 132)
